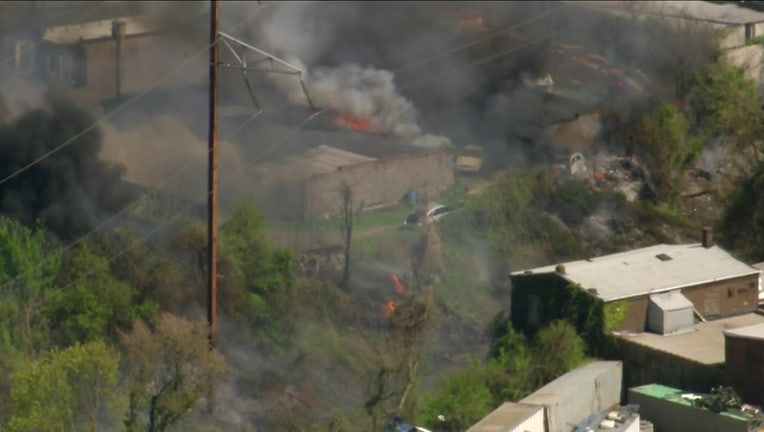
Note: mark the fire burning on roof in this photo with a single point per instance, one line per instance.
(356, 123)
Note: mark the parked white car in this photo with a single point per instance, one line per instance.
(434, 214)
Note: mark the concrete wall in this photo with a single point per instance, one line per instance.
(643, 365)
(145, 59)
(745, 368)
(380, 182)
(579, 394)
(749, 58)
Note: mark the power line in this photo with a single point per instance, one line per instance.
(125, 209)
(137, 202)
(486, 59)
(305, 122)
(272, 146)
(122, 107)
(179, 214)
(477, 41)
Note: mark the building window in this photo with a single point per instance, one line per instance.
(24, 57)
(533, 311)
(750, 31)
(711, 304)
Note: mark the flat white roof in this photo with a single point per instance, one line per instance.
(729, 14)
(705, 344)
(650, 270)
(755, 332)
(97, 30)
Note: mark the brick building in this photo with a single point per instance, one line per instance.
(744, 350)
(634, 283)
(308, 184)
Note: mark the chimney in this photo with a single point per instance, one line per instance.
(707, 237)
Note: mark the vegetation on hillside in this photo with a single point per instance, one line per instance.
(92, 337)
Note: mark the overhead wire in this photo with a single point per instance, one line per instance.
(140, 200)
(487, 37)
(284, 137)
(183, 212)
(486, 59)
(121, 107)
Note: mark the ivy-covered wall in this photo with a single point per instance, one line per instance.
(539, 299)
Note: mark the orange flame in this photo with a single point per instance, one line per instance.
(353, 122)
(389, 308)
(397, 284)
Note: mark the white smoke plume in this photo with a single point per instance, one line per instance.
(362, 91)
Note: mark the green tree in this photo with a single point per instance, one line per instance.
(557, 349)
(398, 360)
(252, 271)
(661, 136)
(462, 398)
(168, 371)
(70, 390)
(510, 364)
(148, 267)
(28, 267)
(724, 102)
(741, 224)
(92, 303)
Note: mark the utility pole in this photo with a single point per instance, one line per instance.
(212, 188)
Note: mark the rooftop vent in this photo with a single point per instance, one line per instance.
(663, 257)
(707, 237)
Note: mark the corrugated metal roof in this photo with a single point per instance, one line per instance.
(652, 269)
(671, 301)
(755, 332)
(698, 10)
(506, 417)
(319, 160)
(704, 345)
(97, 30)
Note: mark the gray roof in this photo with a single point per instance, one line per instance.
(704, 345)
(319, 160)
(671, 301)
(506, 417)
(754, 332)
(649, 270)
(728, 14)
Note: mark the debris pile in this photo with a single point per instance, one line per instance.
(623, 174)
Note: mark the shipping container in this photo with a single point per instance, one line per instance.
(578, 394)
(512, 417)
(673, 410)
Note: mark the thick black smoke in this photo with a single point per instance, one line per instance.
(479, 94)
(72, 189)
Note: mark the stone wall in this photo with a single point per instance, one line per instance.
(749, 58)
(380, 182)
